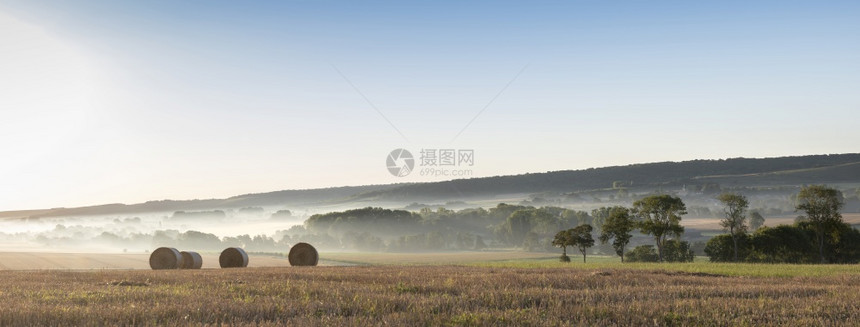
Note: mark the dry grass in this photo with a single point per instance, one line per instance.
(432, 258)
(47, 260)
(429, 295)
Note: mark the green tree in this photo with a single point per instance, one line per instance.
(847, 248)
(735, 208)
(544, 222)
(581, 238)
(660, 217)
(573, 218)
(678, 251)
(643, 253)
(720, 248)
(783, 244)
(515, 227)
(617, 226)
(821, 205)
(756, 220)
(563, 239)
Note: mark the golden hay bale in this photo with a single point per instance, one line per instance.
(191, 260)
(303, 254)
(165, 258)
(233, 258)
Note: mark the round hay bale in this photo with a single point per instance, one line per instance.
(303, 254)
(191, 260)
(233, 258)
(165, 258)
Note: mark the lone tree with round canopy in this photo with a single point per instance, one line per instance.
(580, 237)
(821, 205)
(562, 240)
(660, 217)
(617, 227)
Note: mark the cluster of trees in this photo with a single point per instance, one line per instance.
(210, 242)
(794, 243)
(673, 251)
(431, 241)
(657, 215)
(819, 235)
(377, 229)
(533, 228)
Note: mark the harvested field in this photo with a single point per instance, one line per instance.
(429, 295)
(45, 260)
(49, 260)
(434, 258)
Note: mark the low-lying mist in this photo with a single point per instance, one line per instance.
(475, 224)
(253, 227)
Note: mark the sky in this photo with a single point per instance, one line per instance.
(132, 101)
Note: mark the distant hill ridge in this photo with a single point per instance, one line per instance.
(736, 171)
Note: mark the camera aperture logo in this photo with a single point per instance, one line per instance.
(400, 162)
(434, 162)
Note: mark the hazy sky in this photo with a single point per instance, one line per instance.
(129, 101)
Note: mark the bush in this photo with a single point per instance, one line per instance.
(783, 244)
(720, 248)
(564, 258)
(678, 251)
(673, 251)
(844, 245)
(643, 253)
(788, 244)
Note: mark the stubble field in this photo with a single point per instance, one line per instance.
(524, 292)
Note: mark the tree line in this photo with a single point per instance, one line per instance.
(819, 235)
(377, 229)
(658, 216)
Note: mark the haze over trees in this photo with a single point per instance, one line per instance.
(756, 220)
(704, 174)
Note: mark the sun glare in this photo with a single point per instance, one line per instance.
(48, 89)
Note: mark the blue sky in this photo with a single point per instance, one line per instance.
(121, 101)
